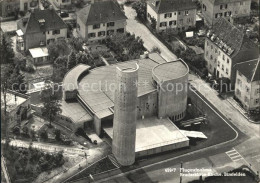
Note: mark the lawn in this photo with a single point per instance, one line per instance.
(40, 73)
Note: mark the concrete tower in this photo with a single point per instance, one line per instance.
(125, 114)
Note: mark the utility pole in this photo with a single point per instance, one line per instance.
(180, 173)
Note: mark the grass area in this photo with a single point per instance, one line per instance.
(41, 72)
(98, 167)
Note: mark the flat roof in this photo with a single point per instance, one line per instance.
(98, 86)
(70, 81)
(153, 132)
(39, 52)
(75, 111)
(171, 70)
(12, 100)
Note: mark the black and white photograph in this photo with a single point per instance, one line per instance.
(130, 91)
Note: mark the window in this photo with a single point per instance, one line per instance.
(78, 26)
(92, 35)
(227, 60)
(247, 89)
(186, 12)
(221, 6)
(101, 34)
(226, 6)
(175, 13)
(257, 101)
(225, 14)
(216, 15)
(226, 70)
(109, 32)
(222, 67)
(218, 63)
(172, 22)
(179, 12)
(223, 57)
(238, 92)
(110, 24)
(96, 26)
(163, 24)
(166, 15)
(55, 32)
(257, 91)
(216, 50)
(188, 20)
(212, 47)
(241, 3)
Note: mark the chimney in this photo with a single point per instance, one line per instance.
(50, 7)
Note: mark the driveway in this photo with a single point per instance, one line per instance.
(150, 41)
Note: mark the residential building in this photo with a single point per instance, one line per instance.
(39, 28)
(177, 14)
(226, 46)
(62, 3)
(247, 89)
(100, 19)
(18, 107)
(213, 9)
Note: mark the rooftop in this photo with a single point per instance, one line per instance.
(97, 87)
(165, 6)
(41, 21)
(101, 12)
(39, 52)
(168, 71)
(70, 81)
(250, 69)
(233, 41)
(153, 132)
(13, 100)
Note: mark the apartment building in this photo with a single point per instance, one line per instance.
(176, 14)
(39, 28)
(247, 88)
(226, 46)
(228, 9)
(100, 19)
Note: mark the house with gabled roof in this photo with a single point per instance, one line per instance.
(247, 88)
(176, 14)
(228, 9)
(100, 19)
(39, 28)
(225, 46)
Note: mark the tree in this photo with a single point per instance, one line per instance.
(153, 23)
(44, 135)
(58, 48)
(83, 58)
(57, 135)
(140, 8)
(72, 61)
(6, 50)
(76, 43)
(60, 68)
(51, 106)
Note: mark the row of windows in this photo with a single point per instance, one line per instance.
(164, 24)
(169, 15)
(226, 14)
(104, 33)
(109, 24)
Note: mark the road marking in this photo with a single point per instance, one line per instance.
(234, 155)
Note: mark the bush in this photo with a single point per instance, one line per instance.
(30, 69)
(156, 50)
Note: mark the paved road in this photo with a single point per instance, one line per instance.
(150, 41)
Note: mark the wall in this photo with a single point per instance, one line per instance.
(188, 20)
(153, 14)
(214, 55)
(235, 7)
(49, 34)
(81, 28)
(172, 102)
(147, 105)
(124, 124)
(33, 40)
(247, 98)
(103, 27)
